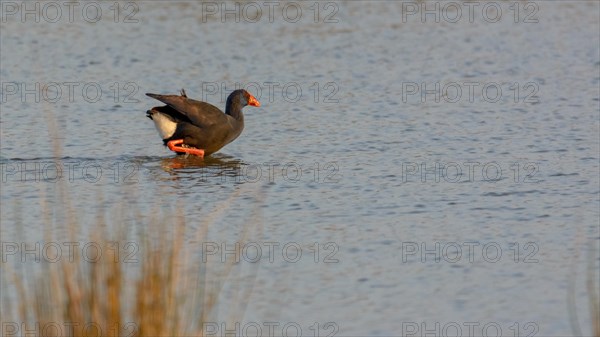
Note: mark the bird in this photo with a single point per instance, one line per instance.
(199, 128)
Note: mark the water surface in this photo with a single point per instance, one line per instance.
(340, 164)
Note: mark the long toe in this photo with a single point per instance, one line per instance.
(196, 152)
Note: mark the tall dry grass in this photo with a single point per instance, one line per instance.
(165, 289)
(594, 301)
(591, 285)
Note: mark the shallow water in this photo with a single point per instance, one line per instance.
(348, 164)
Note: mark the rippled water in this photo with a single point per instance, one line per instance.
(349, 163)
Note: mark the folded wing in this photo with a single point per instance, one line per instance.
(201, 114)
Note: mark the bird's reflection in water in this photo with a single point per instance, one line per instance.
(218, 167)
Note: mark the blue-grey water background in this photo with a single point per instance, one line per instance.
(360, 133)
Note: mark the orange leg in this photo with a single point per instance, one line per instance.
(173, 146)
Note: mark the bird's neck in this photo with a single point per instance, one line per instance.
(234, 110)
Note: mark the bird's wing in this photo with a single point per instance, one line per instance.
(201, 114)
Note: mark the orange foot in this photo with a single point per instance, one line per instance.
(173, 146)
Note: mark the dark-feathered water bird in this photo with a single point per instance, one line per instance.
(199, 128)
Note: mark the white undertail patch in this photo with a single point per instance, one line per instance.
(165, 126)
